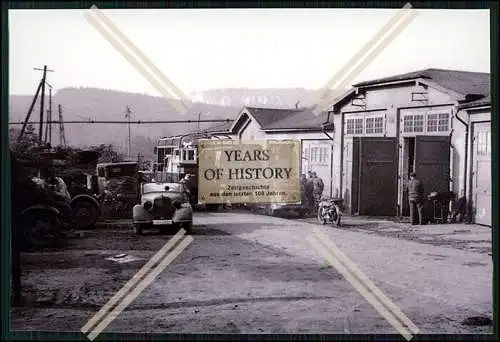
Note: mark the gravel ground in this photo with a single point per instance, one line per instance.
(248, 273)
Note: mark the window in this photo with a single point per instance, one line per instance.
(483, 143)
(354, 126)
(438, 122)
(413, 123)
(323, 155)
(190, 154)
(374, 125)
(314, 155)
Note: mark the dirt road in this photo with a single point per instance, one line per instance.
(248, 273)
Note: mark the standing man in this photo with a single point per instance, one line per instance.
(416, 198)
(309, 189)
(318, 187)
(303, 195)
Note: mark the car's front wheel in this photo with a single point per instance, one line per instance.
(188, 227)
(139, 228)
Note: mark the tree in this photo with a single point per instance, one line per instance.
(107, 153)
(26, 147)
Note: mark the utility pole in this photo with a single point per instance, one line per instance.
(48, 126)
(42, 100)
(62, 135)
(128, 114)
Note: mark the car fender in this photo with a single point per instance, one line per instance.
(85, 197)
(40, 207)
(183, 214)
(139, 214)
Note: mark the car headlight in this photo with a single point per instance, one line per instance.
(147, 205)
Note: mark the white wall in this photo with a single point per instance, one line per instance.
(474, 116)
(252, 132)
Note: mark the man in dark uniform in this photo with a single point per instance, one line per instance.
(309, 189)
(416, 198)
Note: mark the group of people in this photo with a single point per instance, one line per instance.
(312, 187)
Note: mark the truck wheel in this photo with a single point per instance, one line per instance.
(40, 229)
(85, 214)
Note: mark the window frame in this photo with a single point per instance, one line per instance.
(434, 116)
(352, 122)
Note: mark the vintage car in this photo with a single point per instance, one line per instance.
(163, 205)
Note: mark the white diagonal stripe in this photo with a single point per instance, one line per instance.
(135, 57)
(138, 52)
(364, 57)
(132, 282)
(359, 286)
(140, 287)
(365, 280)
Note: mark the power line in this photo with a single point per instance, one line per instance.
(139, 122)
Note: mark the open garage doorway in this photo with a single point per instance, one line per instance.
(429, 158)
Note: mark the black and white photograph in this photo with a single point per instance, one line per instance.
(251, 171)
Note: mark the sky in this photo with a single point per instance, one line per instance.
(233, 48)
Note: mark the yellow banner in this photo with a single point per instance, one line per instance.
(248, 172)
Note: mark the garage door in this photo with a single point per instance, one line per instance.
(376, 173)
(482, 173)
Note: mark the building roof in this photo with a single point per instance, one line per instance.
(304, 119)
(286, 118)
(219, 127)
(485, 101)
(462, 82)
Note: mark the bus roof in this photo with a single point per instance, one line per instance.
(116, 163)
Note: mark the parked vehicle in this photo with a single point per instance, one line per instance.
(85, 202)
(163, 205)
(330, 210)
(118, 185)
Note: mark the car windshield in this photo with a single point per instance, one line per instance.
(160, 187)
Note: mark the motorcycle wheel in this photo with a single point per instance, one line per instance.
(321, 218)
(338, 220)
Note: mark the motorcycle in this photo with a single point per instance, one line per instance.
(330, 210)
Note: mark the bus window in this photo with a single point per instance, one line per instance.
(121, 170)
(160, 154)
(191, 155)
(100, 172)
